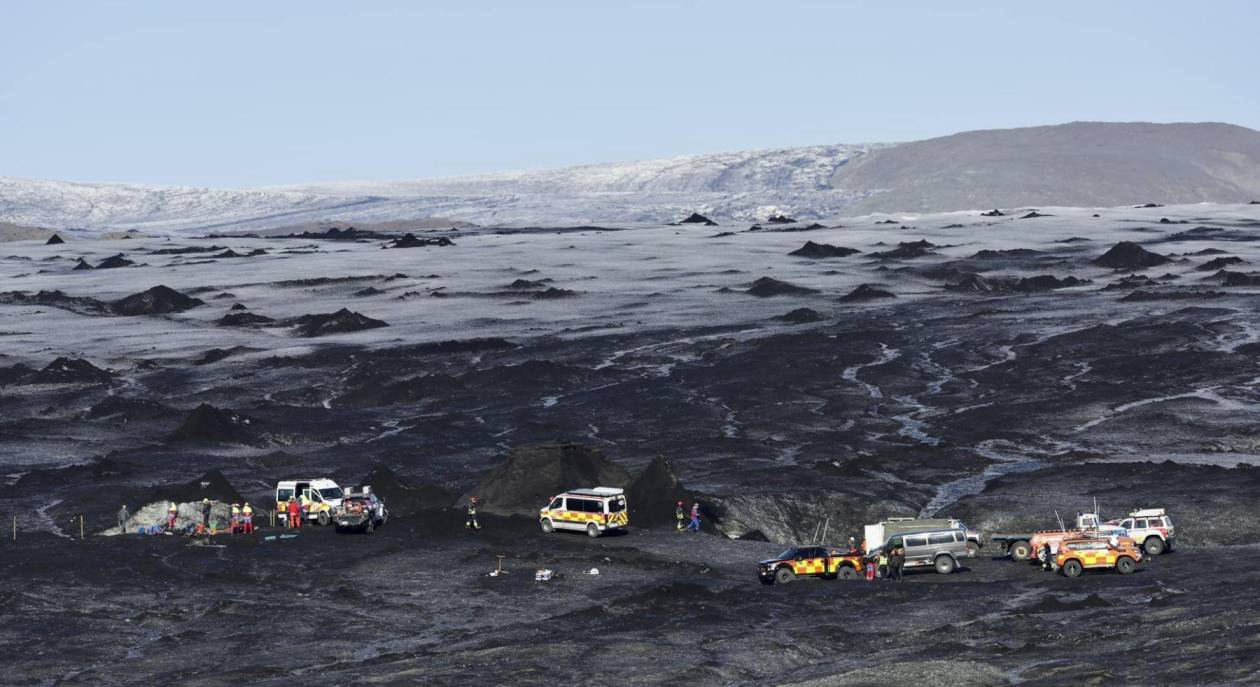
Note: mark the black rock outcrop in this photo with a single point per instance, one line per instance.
(766, 287)
(866, 292)
(1130, 256)
(158, 300)
(339, 322)
(823, 250)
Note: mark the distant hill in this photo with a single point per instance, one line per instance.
(1080, 164)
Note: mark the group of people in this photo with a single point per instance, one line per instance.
(680, 514)
(295, 510)
(892, 561)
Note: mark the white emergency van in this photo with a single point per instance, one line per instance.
(318, 496)
(593, 511)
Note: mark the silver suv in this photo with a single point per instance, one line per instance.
(941, 549)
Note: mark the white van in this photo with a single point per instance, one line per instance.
(321, 496)
(593, 511)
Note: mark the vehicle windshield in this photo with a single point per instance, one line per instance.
(283, 494)
(331, 493)
(789, 553)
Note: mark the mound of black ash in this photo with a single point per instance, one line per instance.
(907, 250)
(1219, 263)
(767, 287)
(866, 292)
(405, 497)
(214, 355)
(412, 241)
(243, 319)
(54, 240)
(339, 322)
(158, 300)
(993, 213)
(801, 316)
(68, 371)
(974, 283)
(210, 425)
(697, 218)
(1129, 256)
(532, 474)
(823, 250)
(114, 261)
(654, 495)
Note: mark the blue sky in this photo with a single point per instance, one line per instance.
(250, 93)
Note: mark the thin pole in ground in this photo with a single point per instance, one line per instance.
(15, 528)
(81, 537)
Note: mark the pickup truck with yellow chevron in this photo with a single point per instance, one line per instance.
(810, 561)
(593, 511)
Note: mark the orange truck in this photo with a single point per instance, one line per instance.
(1077, 555)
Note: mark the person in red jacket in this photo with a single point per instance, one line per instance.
(295, 513)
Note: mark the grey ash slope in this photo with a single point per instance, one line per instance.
(1086, 164)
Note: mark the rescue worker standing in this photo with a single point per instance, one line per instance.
(295, 513)
(680, 514)
(123, 517)
(470, 519)
(852, 545)
(896, 560)
(1047, 558)
(171, 516)
(694, 526)
(236, 518)
(205, 513)
(247, 519)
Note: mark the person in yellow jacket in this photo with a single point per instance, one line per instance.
(236, 518)
(247, 519)
(171, 516)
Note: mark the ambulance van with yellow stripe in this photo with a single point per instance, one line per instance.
(593, 511)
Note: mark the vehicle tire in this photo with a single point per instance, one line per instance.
(784, 575)
(848, 573)
(547, 527)
(973, 549)
(1153, 546)
(1073, 569)
(1020, 550)
(323, 519)
(944, 565)
(592, 530)
(1125, 565)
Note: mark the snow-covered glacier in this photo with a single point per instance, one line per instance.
(743, 186)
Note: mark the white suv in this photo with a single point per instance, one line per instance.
(1152, 528)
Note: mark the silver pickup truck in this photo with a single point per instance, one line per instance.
(360, 511)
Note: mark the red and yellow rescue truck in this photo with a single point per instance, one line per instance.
(1075, 556)
(810, 561)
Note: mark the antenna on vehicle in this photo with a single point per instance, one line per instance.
(824, 534)
(815, 539)
(1058, 517)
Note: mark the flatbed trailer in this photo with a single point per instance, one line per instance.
(1015, 544)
